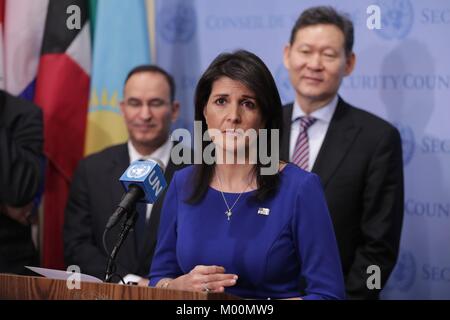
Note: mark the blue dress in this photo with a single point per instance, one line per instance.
(269, 253)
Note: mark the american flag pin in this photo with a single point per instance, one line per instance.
(264, 211)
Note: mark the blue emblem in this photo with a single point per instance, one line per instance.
(284, 84)
(177, 22)
(408, 142)
(404, 274)
(147, 175)
(397, 17)
(138, 171)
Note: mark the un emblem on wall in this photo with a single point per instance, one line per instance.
(404, 274)
(284, 84)
(408, 142)
(177, 22)
(397, 17)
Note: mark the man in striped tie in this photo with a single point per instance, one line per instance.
(301, 151)
(357, 155)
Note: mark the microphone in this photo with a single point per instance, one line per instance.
(143, 182)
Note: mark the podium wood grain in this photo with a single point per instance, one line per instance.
(13, 287)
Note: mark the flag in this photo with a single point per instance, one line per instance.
(92, 17)
(24, 23)
(121, 43)
(62, 90)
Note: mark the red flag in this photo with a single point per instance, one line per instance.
(2, 10)
(62, 90)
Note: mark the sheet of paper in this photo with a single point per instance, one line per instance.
(61, 275)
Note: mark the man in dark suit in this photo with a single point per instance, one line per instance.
(149, 109)
(357, 155)
(21, 168)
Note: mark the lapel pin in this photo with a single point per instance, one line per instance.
(264, 211)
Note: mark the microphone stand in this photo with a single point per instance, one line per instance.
(126, 227)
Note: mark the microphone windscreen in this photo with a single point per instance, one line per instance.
(146, 174)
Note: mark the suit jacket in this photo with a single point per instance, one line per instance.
(94, 195)
(21, 160)
(361, 169)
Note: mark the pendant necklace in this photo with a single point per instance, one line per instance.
(229, 211)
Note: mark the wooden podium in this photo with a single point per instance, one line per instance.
(13, 287)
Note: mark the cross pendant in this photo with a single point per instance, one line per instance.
(228, 213)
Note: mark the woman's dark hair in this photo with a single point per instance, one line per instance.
(250, 70)
(325, 15)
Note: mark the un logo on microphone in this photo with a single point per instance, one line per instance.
(397, 17)
(177, 22)
(138, 171)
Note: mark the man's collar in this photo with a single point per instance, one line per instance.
(162, 153)
(324, 113)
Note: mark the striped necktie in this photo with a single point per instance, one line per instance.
(301, 151)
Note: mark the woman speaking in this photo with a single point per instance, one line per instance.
(226, 225)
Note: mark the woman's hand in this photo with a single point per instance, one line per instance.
(204, 278)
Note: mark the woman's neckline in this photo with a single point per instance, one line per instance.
(250, 191)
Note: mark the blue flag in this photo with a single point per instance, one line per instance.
(121, 43)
